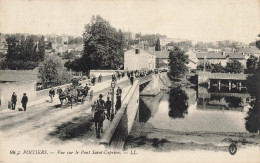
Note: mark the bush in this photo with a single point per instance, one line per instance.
(53, 73)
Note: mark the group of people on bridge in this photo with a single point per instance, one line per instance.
(102, 109)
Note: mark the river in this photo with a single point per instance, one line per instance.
(189, 111)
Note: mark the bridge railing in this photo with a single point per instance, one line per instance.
(124, 117)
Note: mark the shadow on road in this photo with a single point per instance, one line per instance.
(77, 128)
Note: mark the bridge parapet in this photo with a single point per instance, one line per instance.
(121, 125)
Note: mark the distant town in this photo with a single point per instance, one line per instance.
(132, 91)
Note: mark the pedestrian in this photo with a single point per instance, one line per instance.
(24, 101)
(118, 75)
(51, 94)
(59, 91)
(100, 78)
(132, 79)
(86, 88)
(94, 80)
(99, 114)
(118, 103)
(93, 108)
(108, 107)
(128, 74)
(13, 100)
(118, 92)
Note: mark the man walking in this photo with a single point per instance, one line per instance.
(108, 107)
(52, 94)
(100, 78)
(13, 100)
(118, 98)
(118, 92)
(24, 101)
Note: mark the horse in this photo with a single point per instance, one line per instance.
(62, 95)
(72, 96)
(99, 117)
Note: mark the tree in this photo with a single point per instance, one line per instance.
(251, 64)
(258, 42)
(103, 46)
(24, 53)
(218, 68)
(178, 103)
(158, 45)
(177, 63)
(52, 72)
(234, 66)
(252, 84)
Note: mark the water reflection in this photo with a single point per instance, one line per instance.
(252, 119)
(186, 109)
(233, 101)
(221, 101)
(178, 105)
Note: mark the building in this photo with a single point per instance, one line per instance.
(138, 59)
(251, 50)
(220, 58)
(193, 60)
(162, 58)
(213, 50)
(165, 41)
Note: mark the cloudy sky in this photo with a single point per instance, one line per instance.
(206, 20)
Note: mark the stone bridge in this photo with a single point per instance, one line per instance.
(121, 125)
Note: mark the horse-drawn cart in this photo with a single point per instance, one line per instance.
(74, 94)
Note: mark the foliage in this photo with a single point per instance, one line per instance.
(157, 64)
(70, 55)
(220, 45)
(218, 68)
(158, 45)
(208, 67)
(233, 101)
(253, 83)
(251, 64)
(103, 46)
(258, 42)
(76, 40)
(151, 39)
(252, 119)
(177, 63)
(234, 66)
(52, 72)
(185, 45)
(178, 103)
(24, 53)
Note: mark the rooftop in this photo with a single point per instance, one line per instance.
(216, 55)
(249, 50)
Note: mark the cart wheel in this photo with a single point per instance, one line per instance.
(232, 148)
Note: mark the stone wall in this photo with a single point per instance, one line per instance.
(121, 125)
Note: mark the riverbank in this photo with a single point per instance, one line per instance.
(189, 81)
(146, 137)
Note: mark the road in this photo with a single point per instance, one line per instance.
(50, 124)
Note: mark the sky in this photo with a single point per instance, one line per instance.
(204, 20)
